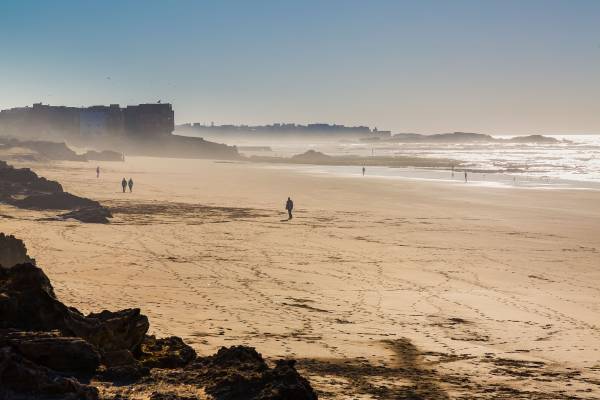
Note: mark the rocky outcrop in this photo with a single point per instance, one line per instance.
(467, 137)
(169, 352)
(47, 349)
(12, 251)
(57, 151)
(94, 215)
(240, 372)
(55, 201)
(28, 302)
(21, 378)
(311, 156)
(45, 149)
(23, 181)
(50, 349)
(23, 188)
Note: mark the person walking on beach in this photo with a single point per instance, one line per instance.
(465, 176)
(289, 206)
(130, 183)
(97, 172)
(453, 170)
(364, 169)
(124, 184)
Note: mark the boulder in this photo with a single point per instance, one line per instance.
(115, 330)
(94, 215)
(15, 181)
(240, 372)
(118, 358)
(55, 201)
(12, 251)
(21, 378)
(49, 349)
(170, 352)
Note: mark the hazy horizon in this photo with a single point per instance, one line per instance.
(495, 67)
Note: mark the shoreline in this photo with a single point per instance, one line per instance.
(441, 176)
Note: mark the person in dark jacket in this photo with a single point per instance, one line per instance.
(289, 206)
(130, 183)
(124, 184)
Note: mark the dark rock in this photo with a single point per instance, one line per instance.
(124, 374)
(285, 383)
(240, 372)
(28, 302)
(18, 181)
(55, 201)
(95, 215)
(65, 354)
(169, 352)
(117, 358)
(21, 378)
(23, 188)
(115, 330)
(12, 251)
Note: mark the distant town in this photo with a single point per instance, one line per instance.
(283, 129)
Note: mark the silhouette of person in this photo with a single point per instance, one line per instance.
(130, 183)
(124, 184)
(453, 170)
(97, 172)
(289, 206)
(364, 169)
(465, 176)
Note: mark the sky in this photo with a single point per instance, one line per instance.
(512, 67)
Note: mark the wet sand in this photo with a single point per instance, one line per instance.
(381, 288)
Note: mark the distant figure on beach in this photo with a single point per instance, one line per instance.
(364, 169)
(124, 184)
(465, 176)
(453, 170)
(289, 206)
(130, 183)
(97, 172)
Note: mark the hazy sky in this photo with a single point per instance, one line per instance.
(409, 66)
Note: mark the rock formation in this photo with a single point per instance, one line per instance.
(12, 251)
(57, 151)
(49, 351)
(23, 188)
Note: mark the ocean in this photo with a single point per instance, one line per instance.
(573, 162)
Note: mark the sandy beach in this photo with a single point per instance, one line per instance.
(379, 287)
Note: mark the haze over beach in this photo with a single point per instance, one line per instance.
(240, 200)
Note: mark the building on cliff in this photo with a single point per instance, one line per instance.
(140, 121)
